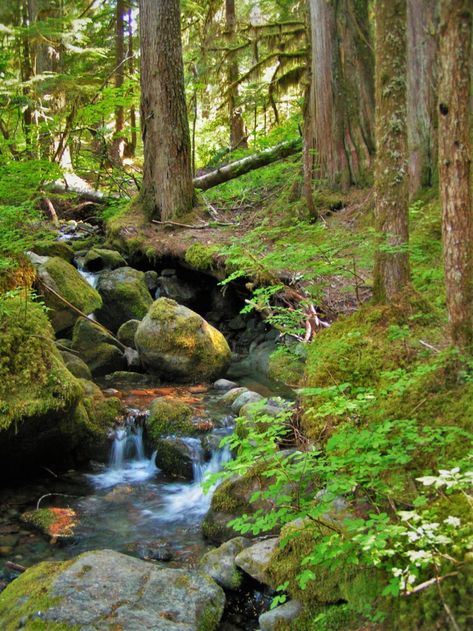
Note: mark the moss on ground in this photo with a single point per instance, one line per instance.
(201, 257)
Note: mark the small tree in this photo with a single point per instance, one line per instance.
(455, 165)
(392, 260)
(167, 190)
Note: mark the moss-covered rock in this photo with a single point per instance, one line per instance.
(125, 296)
(119, 592)
(54, 248)
(58, 276)
(220, 563)
(176, 456)
(76, 365)
(232, 499)
(177, 343)
(126, 333)
(98, 349)
(57, 523)
(44, 417)
(169, 416)
(98, 259)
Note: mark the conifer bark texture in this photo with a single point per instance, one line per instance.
(422, 74)
(391, 182)
(238, 137)
(455, 165)
(167, 190)
(342, 94)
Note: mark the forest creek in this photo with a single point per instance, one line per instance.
(236, 315)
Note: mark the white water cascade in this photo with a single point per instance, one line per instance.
(128, 462)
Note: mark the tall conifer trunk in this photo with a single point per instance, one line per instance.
(167, 190)
(391, 183)
(455, 165)
(341, 102)
(237, 124)
(118, 143)
(422, 61)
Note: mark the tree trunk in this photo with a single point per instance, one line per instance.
(238, 136)
(167, 190)
(422, 59)
(130, 147)
(343, 104)
(391, 184)
(240, 167)
(118, 143)
(455, 166)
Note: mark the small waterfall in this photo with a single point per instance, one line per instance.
(189, 500)
(128, 462)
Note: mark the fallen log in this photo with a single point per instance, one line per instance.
(240, 167)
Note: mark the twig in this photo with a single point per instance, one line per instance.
(71, 306)
(49, 495)
(51, 472)
(429, 346)
(52, 212)
(16, 567)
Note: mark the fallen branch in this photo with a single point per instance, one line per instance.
(429, 346)
(81, 313)
(240, 167)
(16, 567)
(201, 226)
(426, 584)
(43, 497)
(52, 212)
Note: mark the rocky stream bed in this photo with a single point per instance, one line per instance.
(127, 533)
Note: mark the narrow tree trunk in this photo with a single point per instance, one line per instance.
(167, 190)
(309, 151)
(130, 147)
(343, 103)
(392, 259)
(240, 167)
(238, 136)
(422, 58)
(118, 143)
(455, 165)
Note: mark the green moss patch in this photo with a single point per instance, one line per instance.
(169, 416)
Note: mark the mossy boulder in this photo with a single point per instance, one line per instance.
(59, 276)
(54, 248)
(125, 296)
(126, 333)
(57, 523)
(220, 563)
(98, 259)
(98, 349)
(76, 365)
(232, 499)
(43, 417)
(176, 456)
(179, 344)
(169, 416)
(254, 560)
(108, 590)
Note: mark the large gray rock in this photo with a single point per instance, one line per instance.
(282, 617)
(60, 280)
(225, 385)
(99, 350)
(125, 296)
(254, 560)
(179, 344)
(229, 397)
(220, 563)
(106, 590)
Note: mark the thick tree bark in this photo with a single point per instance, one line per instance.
(391, 185)
(422, 61)
(455, 165)
(238, 136)
(167, 190)
(118, 143)
(240, 167)
(343, 103)
(130, 147)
